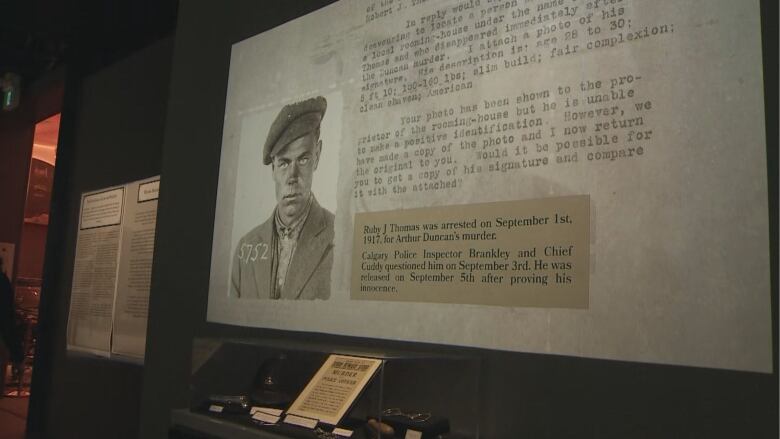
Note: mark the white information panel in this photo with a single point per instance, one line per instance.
(112, 270)
(572, 177)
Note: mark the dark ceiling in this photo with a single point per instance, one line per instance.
(37, 36)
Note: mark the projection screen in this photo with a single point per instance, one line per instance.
(569, 177)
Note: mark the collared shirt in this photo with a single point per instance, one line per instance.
(287, 240)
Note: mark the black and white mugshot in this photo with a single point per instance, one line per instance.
(290, 255)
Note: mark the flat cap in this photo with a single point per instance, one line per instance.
(294, 121)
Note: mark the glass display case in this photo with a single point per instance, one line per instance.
(269, 388)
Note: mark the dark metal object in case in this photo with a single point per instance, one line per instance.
(230, 403)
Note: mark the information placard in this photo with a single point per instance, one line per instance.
(112, 270)
(516, 253)
(334, 388)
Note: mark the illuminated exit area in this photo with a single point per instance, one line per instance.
(26, 275)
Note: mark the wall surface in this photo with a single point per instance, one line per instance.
(31, 252)
(522, 395)
(111, 133)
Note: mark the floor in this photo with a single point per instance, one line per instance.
(13, 417)
(13, 413)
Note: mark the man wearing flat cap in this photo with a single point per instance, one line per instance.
(290, 255)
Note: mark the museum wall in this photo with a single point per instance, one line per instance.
(111, 133)
(32, 254)
(522, 394)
